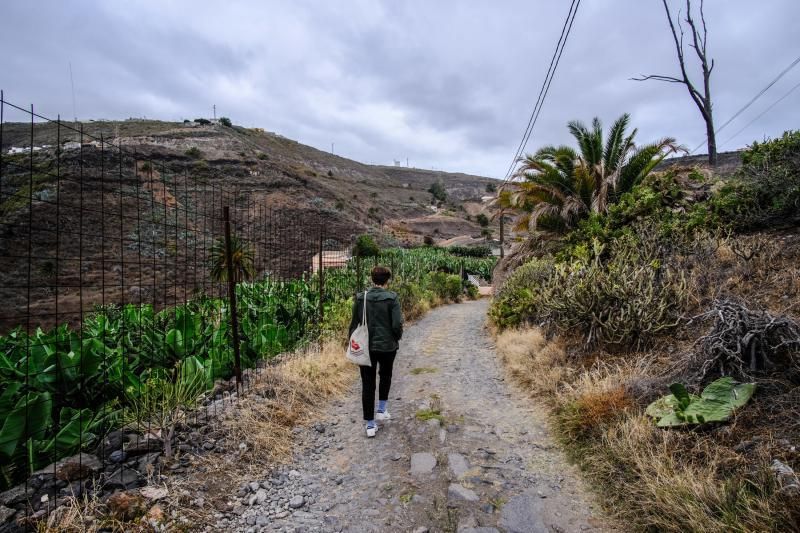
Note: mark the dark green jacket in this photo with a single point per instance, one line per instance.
(384, 319)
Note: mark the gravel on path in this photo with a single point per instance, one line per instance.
(482, 461)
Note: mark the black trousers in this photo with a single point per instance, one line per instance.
(382, 363)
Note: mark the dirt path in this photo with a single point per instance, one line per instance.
(487, 466)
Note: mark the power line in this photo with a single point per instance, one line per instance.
(554, 61)
(776, 102)
(752, 100)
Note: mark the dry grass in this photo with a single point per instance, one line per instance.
(259, 427)
(652, 479)
(675, 481)
(536, 364)
(283, 397)
(88, 515)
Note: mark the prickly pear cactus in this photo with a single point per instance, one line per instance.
(716, 403)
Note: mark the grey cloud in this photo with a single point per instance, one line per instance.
(449, 84)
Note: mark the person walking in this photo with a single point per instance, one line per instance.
(385, 324)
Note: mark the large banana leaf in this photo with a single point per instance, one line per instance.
(716, 403)
(28, 419)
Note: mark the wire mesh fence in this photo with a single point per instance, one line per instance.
(142, 296)
(130, 287)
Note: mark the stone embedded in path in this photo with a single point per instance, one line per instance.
(459, 492)
(524, 514)
(422, 463)
(297, 502)
(458, 464)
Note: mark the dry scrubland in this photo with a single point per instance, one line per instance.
(687, 278)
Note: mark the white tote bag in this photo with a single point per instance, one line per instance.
(358, 347)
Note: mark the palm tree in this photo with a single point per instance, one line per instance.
(242, 259)
(619, 165)
(557, 186)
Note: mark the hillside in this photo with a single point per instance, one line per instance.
(277, 172)
(140, 226)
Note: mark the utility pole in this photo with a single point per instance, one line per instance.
(331, 148)
(407, 162)
(215, 111)
(502, 252)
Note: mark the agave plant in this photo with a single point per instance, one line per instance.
(242, 260)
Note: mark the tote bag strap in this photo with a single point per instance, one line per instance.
(364, 319)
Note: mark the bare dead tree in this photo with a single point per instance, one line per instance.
(701, 99)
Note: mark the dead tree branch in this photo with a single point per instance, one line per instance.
(699, 43)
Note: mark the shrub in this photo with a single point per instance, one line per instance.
(470, 251)
(446, 286)
(225, 121)
(491, 187)
(482, 219)
(766, 189)
(413, 301)
(366, 246)
(438, 191)
(194, 152)
(202, 121)
(624, 300)
(472, 292)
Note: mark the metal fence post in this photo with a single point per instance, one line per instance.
(237, 360)
(321, 273)
(358, 273)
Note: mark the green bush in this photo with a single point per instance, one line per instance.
(470, 251)
(194, 152)
(366, 246)
(766, 189)
(482, 219)
(446, 286)
(472, 292)
(624, 300)
(438, 191)
(225, 121)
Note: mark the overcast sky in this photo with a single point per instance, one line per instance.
(448, 83)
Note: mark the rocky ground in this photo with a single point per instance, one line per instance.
(463, 452)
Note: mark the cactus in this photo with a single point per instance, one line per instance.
(716, 403)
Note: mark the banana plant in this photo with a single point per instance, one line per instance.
(716, 403)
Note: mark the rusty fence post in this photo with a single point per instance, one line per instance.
(237, 358)
(321, 274)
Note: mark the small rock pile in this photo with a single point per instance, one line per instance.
(121, 461)
(286, 492)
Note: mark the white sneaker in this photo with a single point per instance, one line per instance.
(371, 431)
(382, 415)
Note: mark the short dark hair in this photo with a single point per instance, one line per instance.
(380, 275)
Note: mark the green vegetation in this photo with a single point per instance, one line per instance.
(682, 277)
(63, 389)
(560, 186)
(482, 219)
(242, 260)
(470, 251)
(194, 152)
(430, 414)
(225, 121)
(366, 246)
(437, 190)
(202, 121)
(422, 370)
(716, 403)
